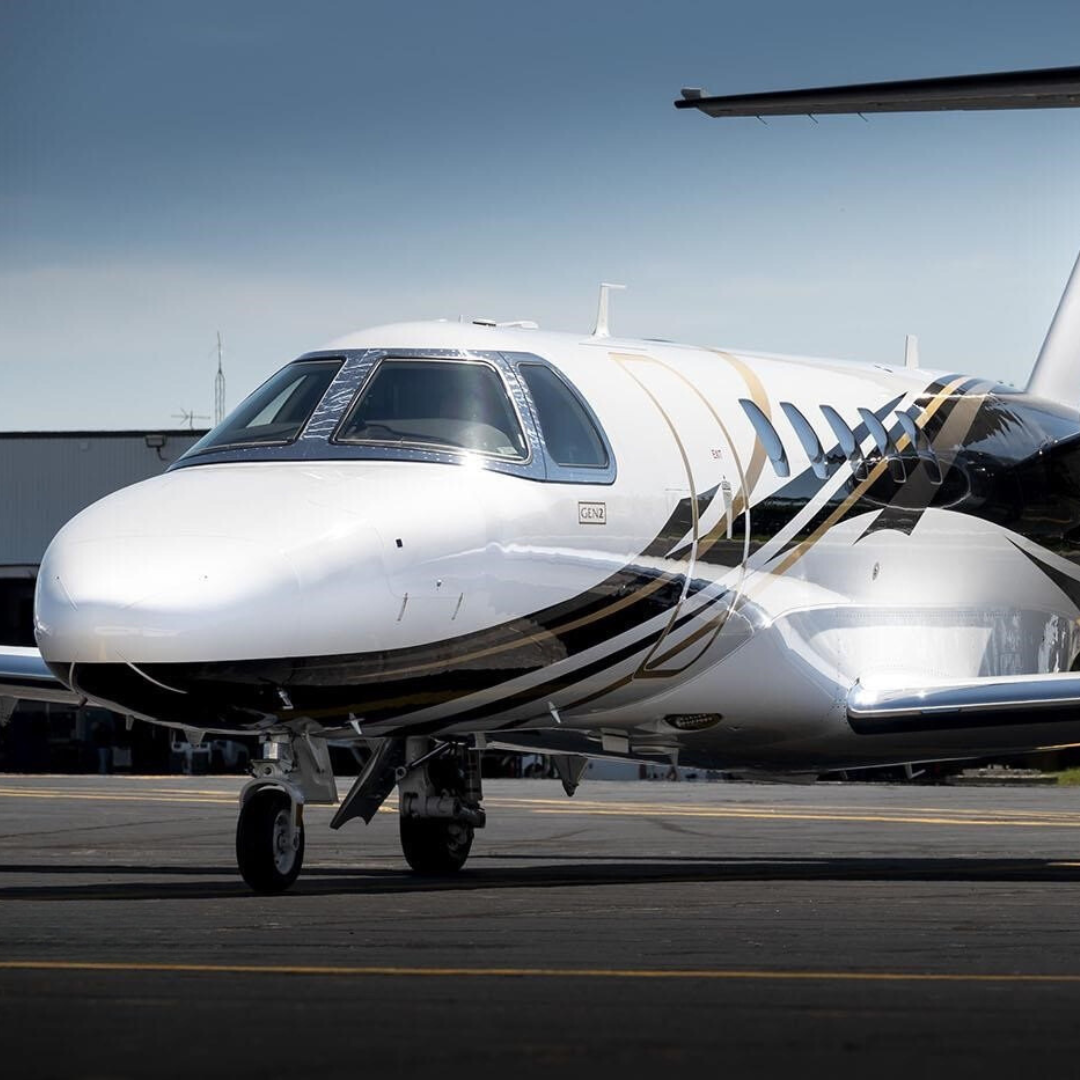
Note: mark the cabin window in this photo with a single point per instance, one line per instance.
(808, 437)
(845, 437)
(277, 412)
(769, 439)
(921, 445)
(569, 433)
(442, 404)
(884, 443)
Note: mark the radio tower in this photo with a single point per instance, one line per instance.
(219, 387)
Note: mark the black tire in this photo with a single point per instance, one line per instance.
(434, 846)
(261, 851)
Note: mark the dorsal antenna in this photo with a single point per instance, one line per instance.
(911, 351)
(602, 328)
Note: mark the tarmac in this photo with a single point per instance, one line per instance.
(635, 930)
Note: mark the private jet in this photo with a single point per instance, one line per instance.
(434, 538)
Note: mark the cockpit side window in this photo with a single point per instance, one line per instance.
(569, 434)
(443, 404)
(277, 412)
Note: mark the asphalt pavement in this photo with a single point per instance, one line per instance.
(747, 930)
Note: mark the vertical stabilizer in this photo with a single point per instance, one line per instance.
(1057, 371)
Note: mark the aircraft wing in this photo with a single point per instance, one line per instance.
(965, 703)
(1045, 88)
(24, 675)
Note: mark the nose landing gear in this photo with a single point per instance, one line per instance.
(270, 840)
(293, 770)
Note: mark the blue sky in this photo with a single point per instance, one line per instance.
(289, 172)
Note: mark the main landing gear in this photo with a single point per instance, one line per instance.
(439, 806)
(439, 795)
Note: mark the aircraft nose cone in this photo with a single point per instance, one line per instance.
(152, 598)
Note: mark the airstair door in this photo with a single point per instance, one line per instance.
(708, 542)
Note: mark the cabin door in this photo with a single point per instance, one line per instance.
(708, 541)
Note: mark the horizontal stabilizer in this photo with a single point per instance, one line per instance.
(967, 703)
(24, 675)
(1045, 88)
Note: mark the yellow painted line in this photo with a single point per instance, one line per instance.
(92, 794)
(124, 796)
(853, 818)
(118, 791)
(528, 803)
(526, 972)
(88, 797)
(766, 808)
(1057, 820)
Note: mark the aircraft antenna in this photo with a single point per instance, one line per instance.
(602, 329)
(911, 351)
(219, 387)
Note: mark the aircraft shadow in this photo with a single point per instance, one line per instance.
(546, 872)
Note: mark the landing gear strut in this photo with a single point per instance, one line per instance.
(439, 799)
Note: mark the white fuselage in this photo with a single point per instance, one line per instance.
(692, 599)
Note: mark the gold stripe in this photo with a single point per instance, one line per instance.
(621, 359)
(741, 503)
(753, 472)
(391, 971)
(768, 577)
(760, 398)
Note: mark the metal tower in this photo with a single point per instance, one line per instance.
(219, 387)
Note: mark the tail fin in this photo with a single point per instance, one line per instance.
(1056, 374)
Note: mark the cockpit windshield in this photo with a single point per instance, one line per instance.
(277, 411)
(454, 404)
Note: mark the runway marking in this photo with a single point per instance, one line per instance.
(85, 796)
(808, 815)
(380, 971)
(506, 800)
(931, 816)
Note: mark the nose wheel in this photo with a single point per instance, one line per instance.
(270, 841)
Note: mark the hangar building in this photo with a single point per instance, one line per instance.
(46, 477)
